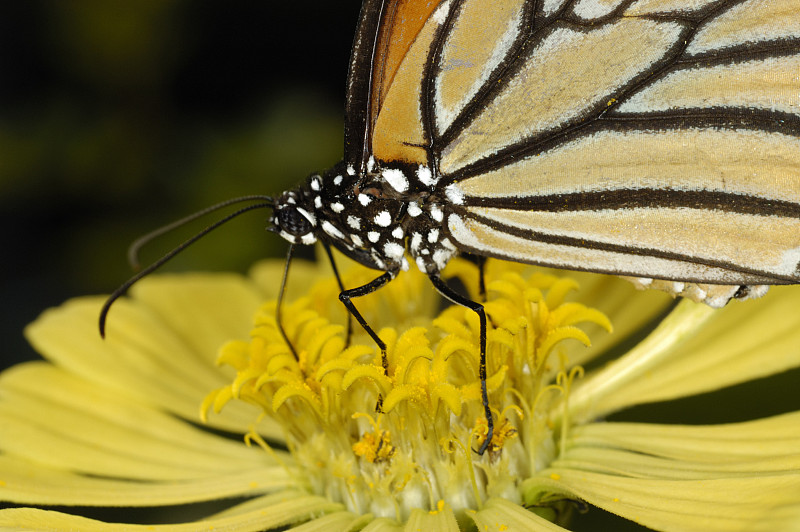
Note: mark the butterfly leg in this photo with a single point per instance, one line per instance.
(341, 288)
(478, 309)
(281, 291)
(345, 297)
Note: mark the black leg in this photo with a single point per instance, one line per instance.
(341, 289)
(282, 290)
(476, 307)
(368, 288)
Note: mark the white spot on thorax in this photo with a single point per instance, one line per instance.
(413, 209)
(436, 213)
(393, 250)
(433, 236)
(364, 200)
(416, 240)
(318, 202)
(332, 230)
(383, 218)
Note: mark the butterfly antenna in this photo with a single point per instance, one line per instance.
(139, 243)
(266, 203)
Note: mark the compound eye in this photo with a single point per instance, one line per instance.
(293, 222)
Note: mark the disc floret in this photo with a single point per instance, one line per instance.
(387, 443)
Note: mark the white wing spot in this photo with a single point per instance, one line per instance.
(433, 236)
(436, 213)
(356, 240)
(318, 202)
(350, 170)
(337, 207)
(315, 185)
(337, 180)
(364, 200)
(454, 194)
(373, 236)
(396, 179)
(397, 232)
(425, 176)
(354, 222)
(413, 209)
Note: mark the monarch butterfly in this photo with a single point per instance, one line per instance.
(656, 139)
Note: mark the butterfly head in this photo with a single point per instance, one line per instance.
(293, 218)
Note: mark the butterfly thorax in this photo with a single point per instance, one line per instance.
(370, 217)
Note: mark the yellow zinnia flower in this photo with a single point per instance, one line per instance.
(344, 445)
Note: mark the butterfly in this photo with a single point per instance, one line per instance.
(653, 139)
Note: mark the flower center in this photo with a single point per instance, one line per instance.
(388, 443)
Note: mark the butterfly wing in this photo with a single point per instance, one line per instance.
(652, 138)
(386, 33)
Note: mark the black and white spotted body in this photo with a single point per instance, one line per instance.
(372, 218)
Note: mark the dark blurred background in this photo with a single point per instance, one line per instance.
(117, 116)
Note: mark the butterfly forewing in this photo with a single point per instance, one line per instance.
(647, 138)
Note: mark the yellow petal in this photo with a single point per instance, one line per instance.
(25, 482)
(205, 310)
(335, 522)
(441, 520)
(500, 515)
(383, 524)
(760, 447)
(92, 429)
(754, 504)
(697, 349)
(270, 513)
(140, 357)
(607, 390)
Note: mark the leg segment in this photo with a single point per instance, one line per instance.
(478, 309)
(346, 296)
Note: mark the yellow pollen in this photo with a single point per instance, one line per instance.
(374, 447)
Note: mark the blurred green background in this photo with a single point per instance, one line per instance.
(117, 116)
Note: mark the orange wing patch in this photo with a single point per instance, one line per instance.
(404, 42)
